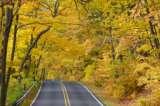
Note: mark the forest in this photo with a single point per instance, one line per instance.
(112, 46)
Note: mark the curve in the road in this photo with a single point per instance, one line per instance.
(57, 93)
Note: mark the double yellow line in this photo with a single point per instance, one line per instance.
(65, 94)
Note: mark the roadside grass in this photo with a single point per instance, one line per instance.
(29, 99)
(14, 93)
(16, 89)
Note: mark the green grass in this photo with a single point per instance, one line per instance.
(14, 93)
(16, 90)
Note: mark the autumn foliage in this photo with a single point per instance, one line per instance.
(113, 45)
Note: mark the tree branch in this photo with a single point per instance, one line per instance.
(32, 46)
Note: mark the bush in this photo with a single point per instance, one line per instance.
(121, 82)
(144, 50)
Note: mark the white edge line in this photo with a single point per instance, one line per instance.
(36, 95)
(92, 94)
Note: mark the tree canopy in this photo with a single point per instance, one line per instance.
(113, 45)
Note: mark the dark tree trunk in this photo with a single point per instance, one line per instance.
(1, 33)
(36, 66)
(38, 63)
(8, 23)
(14, 38)
(11, 69)
(42, 77)
(14, 42)
(153, 30)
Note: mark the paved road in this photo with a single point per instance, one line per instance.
(50, 95)
(56, 93)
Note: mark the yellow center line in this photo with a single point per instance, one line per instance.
(65, 94)
(69, 104)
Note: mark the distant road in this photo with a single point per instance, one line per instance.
(57, 93)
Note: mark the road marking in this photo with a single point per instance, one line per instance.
(65, 89)
(90, 92)
(36, 95)
(65, 94)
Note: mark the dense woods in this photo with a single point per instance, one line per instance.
(111, 45)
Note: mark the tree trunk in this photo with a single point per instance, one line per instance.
(14, 38)
(153, 31)
(10, 69)
(1, 36)
(37, 64)
(8, 23)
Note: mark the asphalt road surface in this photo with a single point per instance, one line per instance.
(57, 93)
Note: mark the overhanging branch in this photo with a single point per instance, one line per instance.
(39, 35)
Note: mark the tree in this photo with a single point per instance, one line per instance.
(8, 22)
